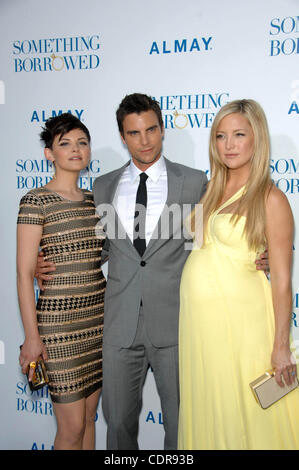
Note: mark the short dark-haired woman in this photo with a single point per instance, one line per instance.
(66, 325)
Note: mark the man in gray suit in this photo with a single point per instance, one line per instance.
(144, 271)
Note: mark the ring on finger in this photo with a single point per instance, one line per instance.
(32, 365)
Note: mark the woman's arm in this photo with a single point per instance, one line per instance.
(279, 234)
(28, 239)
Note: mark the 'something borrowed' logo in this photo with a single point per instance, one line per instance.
(285, 173)
(191, 110)
(57, 54)
(284, 36)
(295, 311)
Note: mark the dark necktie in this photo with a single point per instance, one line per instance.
(139, 216)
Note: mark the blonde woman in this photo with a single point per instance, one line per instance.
(66, 325)
(234, 325)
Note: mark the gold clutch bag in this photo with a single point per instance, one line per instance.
(266, 390)
(40, 376)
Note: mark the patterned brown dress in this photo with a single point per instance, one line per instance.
(70, 309)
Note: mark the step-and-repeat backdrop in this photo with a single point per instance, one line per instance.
(83, 58)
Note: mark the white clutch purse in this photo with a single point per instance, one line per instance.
(266, 391)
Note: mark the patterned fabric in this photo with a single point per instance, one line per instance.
(70, 308)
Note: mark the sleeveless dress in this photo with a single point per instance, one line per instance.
(70, 309)
(226, 336)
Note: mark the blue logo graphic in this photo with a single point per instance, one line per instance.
(295, 320)
(35, 173)
(36, 446)
(57, 54)
(36, 403)
(192, 111)
(178, 46)
(43, 115)
(286, 167)
(287, 42)
(294, 108)
(151, 418)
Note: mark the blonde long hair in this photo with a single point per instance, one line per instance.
(259, 182)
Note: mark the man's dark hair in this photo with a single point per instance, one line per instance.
(61, 125)
(137, 103)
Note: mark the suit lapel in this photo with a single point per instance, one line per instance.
(175, 181)
(112, 183)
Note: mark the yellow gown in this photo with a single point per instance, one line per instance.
(225, 342)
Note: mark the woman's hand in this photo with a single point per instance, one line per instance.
(284, 365)
(42, 270)
(31, 351)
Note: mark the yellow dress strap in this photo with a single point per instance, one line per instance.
(214, 214)
(232, 199)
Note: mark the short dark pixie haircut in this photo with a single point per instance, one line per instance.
(61, 125)
(137, 103)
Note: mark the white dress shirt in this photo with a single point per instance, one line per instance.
(125, 196)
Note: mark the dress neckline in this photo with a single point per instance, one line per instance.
(64, 198)
(232, 199)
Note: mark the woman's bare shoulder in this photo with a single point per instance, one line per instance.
(276, 200)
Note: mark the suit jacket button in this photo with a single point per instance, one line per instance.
(143, 263)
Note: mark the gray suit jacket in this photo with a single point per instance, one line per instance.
(153, 279)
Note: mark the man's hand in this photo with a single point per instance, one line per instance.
(262, 263)
(42, 269)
